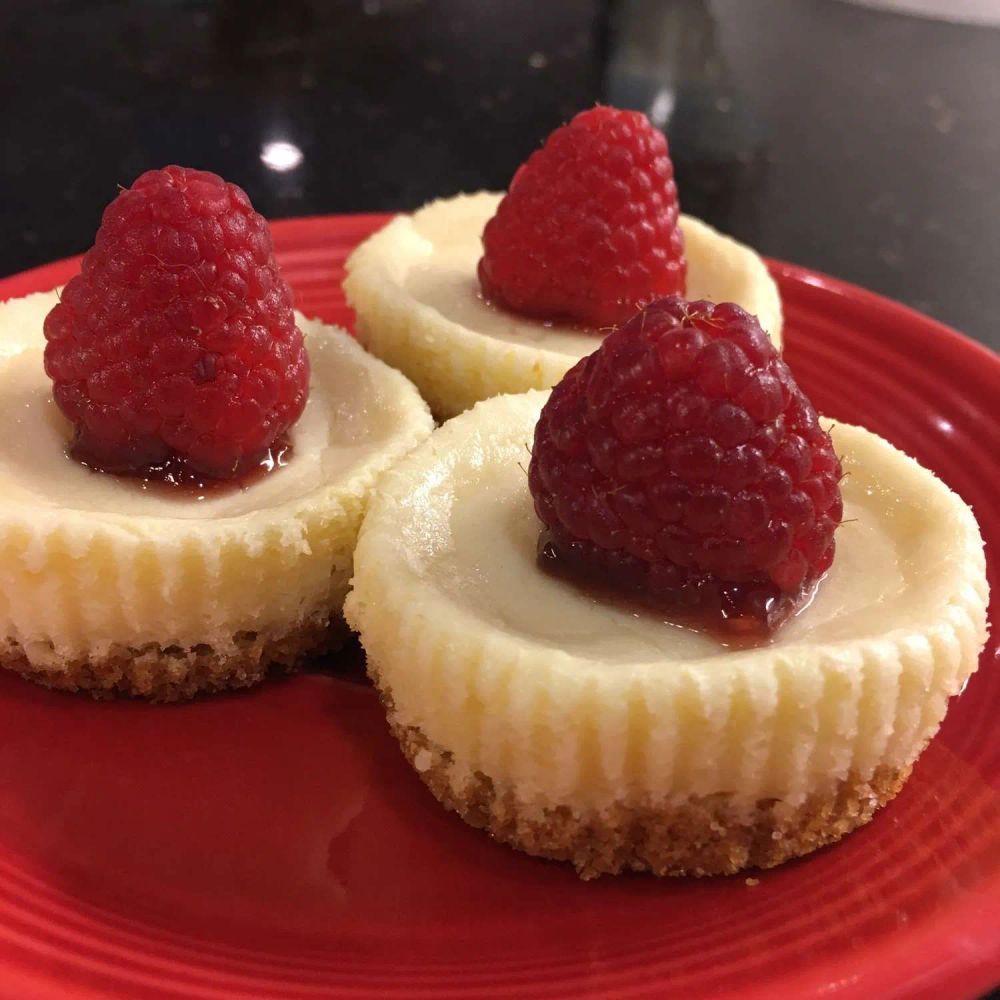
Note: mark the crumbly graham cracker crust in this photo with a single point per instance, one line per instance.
(175, 673)
(701, 836)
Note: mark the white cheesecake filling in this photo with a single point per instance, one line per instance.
(350, 412)
(568, 700)
(880, 573)
(415, 290)
(90, 561)
(442, 275)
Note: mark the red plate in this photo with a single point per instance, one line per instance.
(274, 844)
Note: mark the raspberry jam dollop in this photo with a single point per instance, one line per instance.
(587, 232)
(681, 464)
(176, 345)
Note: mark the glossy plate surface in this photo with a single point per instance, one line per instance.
(274, 843)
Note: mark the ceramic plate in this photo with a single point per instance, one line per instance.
(274, 843)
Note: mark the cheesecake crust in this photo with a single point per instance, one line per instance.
(175, 673)
(703, 835)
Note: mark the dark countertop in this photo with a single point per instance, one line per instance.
(860, 143)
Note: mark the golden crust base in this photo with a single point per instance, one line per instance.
(703, 836)
(173, 673)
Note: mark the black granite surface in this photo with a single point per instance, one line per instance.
(860, 143)
(863, 144)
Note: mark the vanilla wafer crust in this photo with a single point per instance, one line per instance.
(701, 835)
(175, 673)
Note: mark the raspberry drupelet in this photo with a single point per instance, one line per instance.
(587, 232)
(177, 341)
(681, 463)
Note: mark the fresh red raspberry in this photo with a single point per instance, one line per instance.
(681, 462)
(587, 232)
(177, 341)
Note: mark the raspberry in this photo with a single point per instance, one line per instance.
(177, 341)
(588, 231)
(681, 462)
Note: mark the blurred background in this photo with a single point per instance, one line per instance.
(861, 139)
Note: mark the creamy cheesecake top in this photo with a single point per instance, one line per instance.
(473, 536)
(354, 409)
(438, 269)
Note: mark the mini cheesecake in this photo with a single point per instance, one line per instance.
(576, 728)
(414, 288)
(119, 585)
